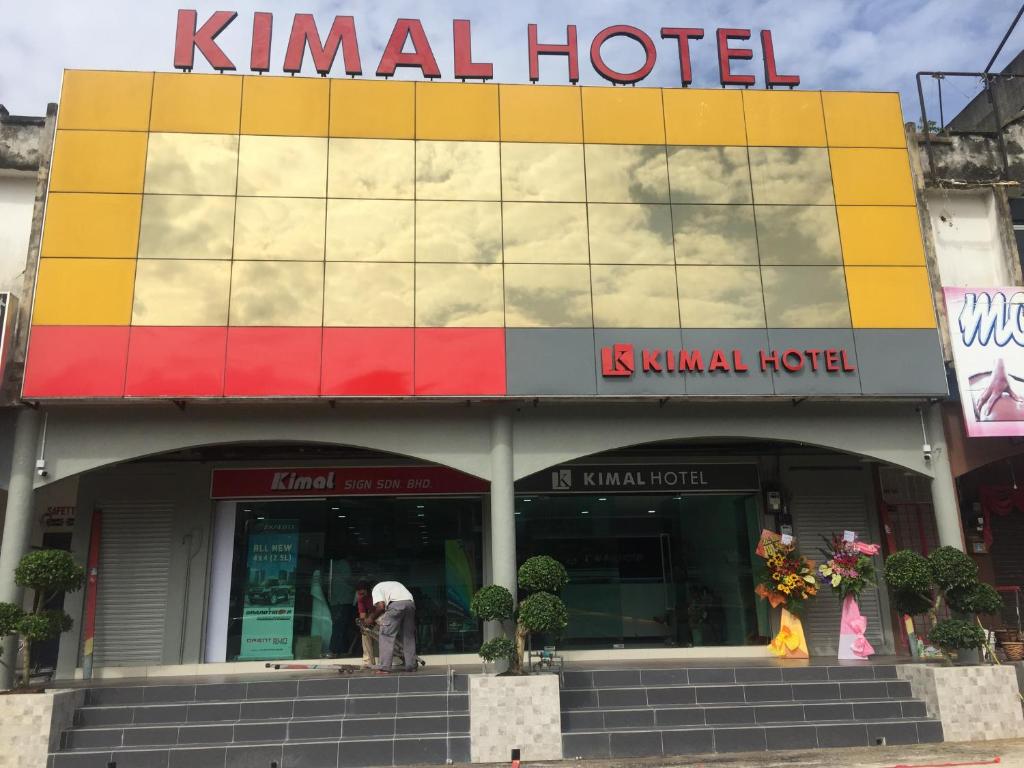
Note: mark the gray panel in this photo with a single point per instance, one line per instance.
(639, 383)
(900, 362)
(748, 342)
(807, 381)
(550, 361)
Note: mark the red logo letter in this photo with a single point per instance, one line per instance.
(262, 29)
(188, 38)
(422, 56)
(771, 74)
(465, 67)
(726, 54)
(617, 360)
(623, 78)
(551, 49)
(304, 32)
(684, 35)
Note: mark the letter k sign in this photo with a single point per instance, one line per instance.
(618, 360)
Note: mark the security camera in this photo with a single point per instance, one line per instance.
(926, 449)
(41, 467)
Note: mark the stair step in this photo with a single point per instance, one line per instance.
(628, 678)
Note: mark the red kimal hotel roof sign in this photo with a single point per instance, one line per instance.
(409, 46)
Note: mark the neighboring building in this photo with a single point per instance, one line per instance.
(291, 332)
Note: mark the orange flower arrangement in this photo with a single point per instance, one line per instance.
(787, 578)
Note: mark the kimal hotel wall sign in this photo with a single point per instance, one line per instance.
(641, 479)
(620, 361)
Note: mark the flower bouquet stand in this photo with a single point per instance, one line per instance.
(848, 569)
(786, 581)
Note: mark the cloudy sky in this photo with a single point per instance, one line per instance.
(831, 44)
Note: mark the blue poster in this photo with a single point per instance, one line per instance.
(268, 612)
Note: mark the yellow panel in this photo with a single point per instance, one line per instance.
(98, 161)
(172, 292)
(371, 168)
(784, 118)
(626, 174)
(694, 116)
(370, 230)
(372, 110)
(541, 113)
(369, 295)
(709, 174)
(462, 232)
(542, 172)
(285, 106)
(864, 120)
(635, 297)
(192, 103)
(459, 296)
(547, 296)
(457, 170)
(545, 233)
(280, 228)
(457, 111)
(872, 177)
(98, 226)
(192, 163)
(282, 166)
(880, 235)
(277, 293)
(187, 227)
(84, 292)
(108, 101)
(623, 116)
(720, 297)
(630, 234)
(890, 297)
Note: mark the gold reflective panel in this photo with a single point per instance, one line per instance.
(805, 297)
(626, 174)
(798, 234)
(635, 297)
(280, 228)
(547, 296)
(371, 168)
(369, 295)
(631, 234)
(173, 292)
(191, 164)
(459, 296)
(720, 297)
(466, 232)
(791, 175)
(709, 174)
(186, 227)
(545, 233)
(457, 170)
(277, 293)
(282, 166)
(714, 234)
(543, 172)
(370, 230)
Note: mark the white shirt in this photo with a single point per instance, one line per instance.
(388, 592)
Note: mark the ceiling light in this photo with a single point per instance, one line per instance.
(585, 512)
(419, 506)
(421, 515)
(527, 500)
(603, 498)
(335, 509)
(650, 511)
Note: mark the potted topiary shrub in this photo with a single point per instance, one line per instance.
(495, 603)
(955, 636)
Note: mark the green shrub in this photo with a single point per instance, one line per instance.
(39, 627)
(492, 603)
(907, 571)
(49, 571)
(952, 569)
(542, 574)
(976, 598)
(543, 612)
(954, 634)
(498, 648)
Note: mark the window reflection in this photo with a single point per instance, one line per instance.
(720, 297)
(714, 234)
(542, 172)
(172, 292)
(709, 174)
(788, 234)
(466, 232)
(553, 233)
(371, 168)
(791, 175)
(370, 230)
(626, 174)
(630, 234)
(368, 295)
(282, 166)
(191, 164)
(457, 170)
(459, 295)
(805, 297)
(547, 296)
(186, 227)
(276, 293)
(635, 297)
(279, 228)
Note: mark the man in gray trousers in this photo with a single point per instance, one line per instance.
(394, 604)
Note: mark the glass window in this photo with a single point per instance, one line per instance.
(714, 234)
(186, 227)
(371, 168)
(791, 176)
(322, 549)
(626, 174)
(720, 297)
(282, 166)
(547, 296)
(463, 232)
(797, 234)
(552, 233)
(543, 172)
(370, 230)
(805, 297)
(635, 297)
(368, 295)
(277, 293)
(459, 296)
(191, 164)
(280, 228)
(709, 174)
(457, 170)
(172, 292)
(630, 234)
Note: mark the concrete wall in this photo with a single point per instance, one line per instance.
(17, 198)
(969, 246)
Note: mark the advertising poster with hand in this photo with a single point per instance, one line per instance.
(986, 328)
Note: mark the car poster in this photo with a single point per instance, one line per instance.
(268, 612)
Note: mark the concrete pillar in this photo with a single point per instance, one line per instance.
(503, 519)
(944, 498)
(17, 524)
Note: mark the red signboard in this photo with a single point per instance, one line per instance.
(298, 482)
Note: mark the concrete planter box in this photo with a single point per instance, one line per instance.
(507, 713)
(972, 703)
(31, 725)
